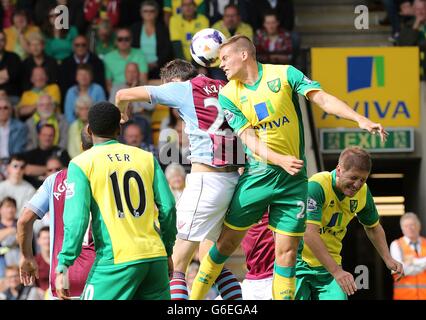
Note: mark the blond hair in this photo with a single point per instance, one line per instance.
(241, 43)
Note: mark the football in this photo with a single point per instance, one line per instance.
(205, 47)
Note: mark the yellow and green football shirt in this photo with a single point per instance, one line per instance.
(332, 211)
(120, 186)
(270, 107)
(174, 6)
(182, 31)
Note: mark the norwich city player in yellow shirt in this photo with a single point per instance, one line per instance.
(260, 103)
(118, 187)
(334, 199)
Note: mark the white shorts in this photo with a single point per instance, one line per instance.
(257, 289)
(202, 207)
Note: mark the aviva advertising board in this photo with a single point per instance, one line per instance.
(379, 83)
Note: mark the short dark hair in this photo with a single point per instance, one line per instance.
(87, 67)
(270, 12)
(150, 3)
(178, 68)
(45, 125)
(43, 229)
(8, 199)
(17, 157)
(355, 157)
(231, 6)
(104, 119)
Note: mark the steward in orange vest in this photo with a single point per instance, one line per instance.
(412, 287)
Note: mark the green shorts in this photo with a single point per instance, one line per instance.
(272, 187)
(147, 280)
(316, 283)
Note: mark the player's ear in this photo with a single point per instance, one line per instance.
(244, 55)
(338, 170)
(89, 130)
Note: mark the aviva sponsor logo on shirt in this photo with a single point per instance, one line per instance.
(264, 110)
(381, 83)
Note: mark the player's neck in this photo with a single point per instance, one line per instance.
(98, 140)
(251, 73)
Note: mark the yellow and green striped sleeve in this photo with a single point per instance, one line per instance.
(165, 202)
(76, 214)
(369, 216)
(316, 199)
(301, 83)
(235, 118)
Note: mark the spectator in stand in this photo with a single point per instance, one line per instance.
(15, 186)
(18, 34)
(84, 87)
(58, 41)
(10, 71)
(53, 165)
(400, 13)
(175, 175)
(45, 114)
(139, 109)
(216, 9)
(410, 250)
(36, 158)
(153, 36)
(231, 23)
(104, 39)
(75, 12)
(28, 103)
(16, 290)
(8, 243)
(82, 105)
(13, 133)
(81, 54)
(273, 44)
(182, 28)
(37, 58)
(116, 61)
(415, 34)
(283, 8)
(173, 8)
(43, 261)
(133, 136)
(6, 11)
(97, 10)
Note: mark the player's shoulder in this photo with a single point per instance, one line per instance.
(229, 89)
(135, 151)
(202, 79)
(204, 85)
(321, 176)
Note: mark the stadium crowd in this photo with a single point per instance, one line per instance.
(50, 77)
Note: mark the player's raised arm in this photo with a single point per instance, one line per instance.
(333, 105)
(124, 96)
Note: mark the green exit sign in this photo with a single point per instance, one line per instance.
(335, 140)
